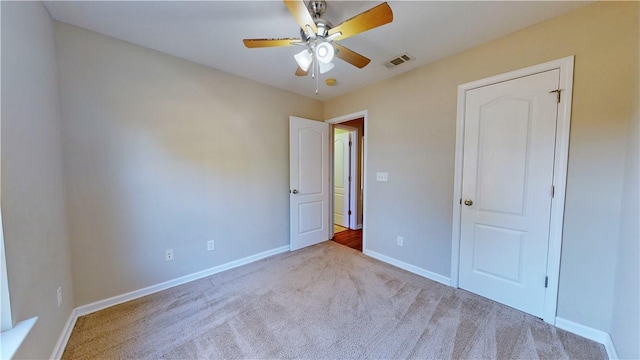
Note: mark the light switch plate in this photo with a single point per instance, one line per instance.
(382, 176)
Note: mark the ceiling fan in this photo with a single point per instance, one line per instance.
(318, 36)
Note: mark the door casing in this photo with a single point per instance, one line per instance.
(341, 166)
(351, 192)
(565, 65)
(337, 120)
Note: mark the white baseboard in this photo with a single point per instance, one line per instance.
(410, 268)
(590, 333)
(610, 348)
(578, 329)
(359, 227)
(119, 299)
(64, 336)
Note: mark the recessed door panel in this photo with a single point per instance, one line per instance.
(311, 217)
(502, 159)
(491, 242)
(310, 161)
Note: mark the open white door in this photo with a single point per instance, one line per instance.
(308, 181)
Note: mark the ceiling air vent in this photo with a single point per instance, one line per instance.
(398, 60)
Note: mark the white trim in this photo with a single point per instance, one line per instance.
(359, 226)
(590, 333)
(357, 115)
(353, 173)
(119, 299)
(6, 319)
(10, 340)
(565, 65)
(410, 268)
(610, 348)
(352, 116)
(58, 350)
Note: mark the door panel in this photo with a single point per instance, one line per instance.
(502, 159)
(311, 143)
(308, 181)
(507, 243)
(509, 143)
(310, 217)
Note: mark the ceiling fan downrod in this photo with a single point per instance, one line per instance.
(317, 8)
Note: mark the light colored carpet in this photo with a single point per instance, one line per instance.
(327, 301)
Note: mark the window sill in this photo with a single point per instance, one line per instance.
(13, 338)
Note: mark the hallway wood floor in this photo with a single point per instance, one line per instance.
(350, 238)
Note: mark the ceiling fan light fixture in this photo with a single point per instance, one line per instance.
(304, 59)
(325, 52)
(325, 67)
(333, 36)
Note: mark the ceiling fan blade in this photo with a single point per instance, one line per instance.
(300, 72)
(370, 19)
(351, 56)
(257, 43)
(299, 11)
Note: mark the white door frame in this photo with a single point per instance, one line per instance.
(354, 134)
(340, 119)
(565, 65)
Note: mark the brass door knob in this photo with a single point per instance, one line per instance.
(468, 202)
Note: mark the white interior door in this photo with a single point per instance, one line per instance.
(341, 161)
(309, 182)
(508, 159)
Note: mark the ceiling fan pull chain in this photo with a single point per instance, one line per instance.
(317, 73)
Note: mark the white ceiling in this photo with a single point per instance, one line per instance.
(211, 33)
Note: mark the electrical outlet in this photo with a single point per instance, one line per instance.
(210, 245)
(168, 255)
(59, 295)
(382, 176)
(400, 241)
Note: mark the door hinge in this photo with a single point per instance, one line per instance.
(557, 93)
(546, 281)
(350, 143)
(349, 178)
(553, 191)
(349, 212)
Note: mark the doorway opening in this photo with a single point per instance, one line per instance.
(347, 191)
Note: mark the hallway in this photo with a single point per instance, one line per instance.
(350, 238)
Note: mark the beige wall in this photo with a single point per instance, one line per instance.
(162, 153)
(33, 197)
(411, 135)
